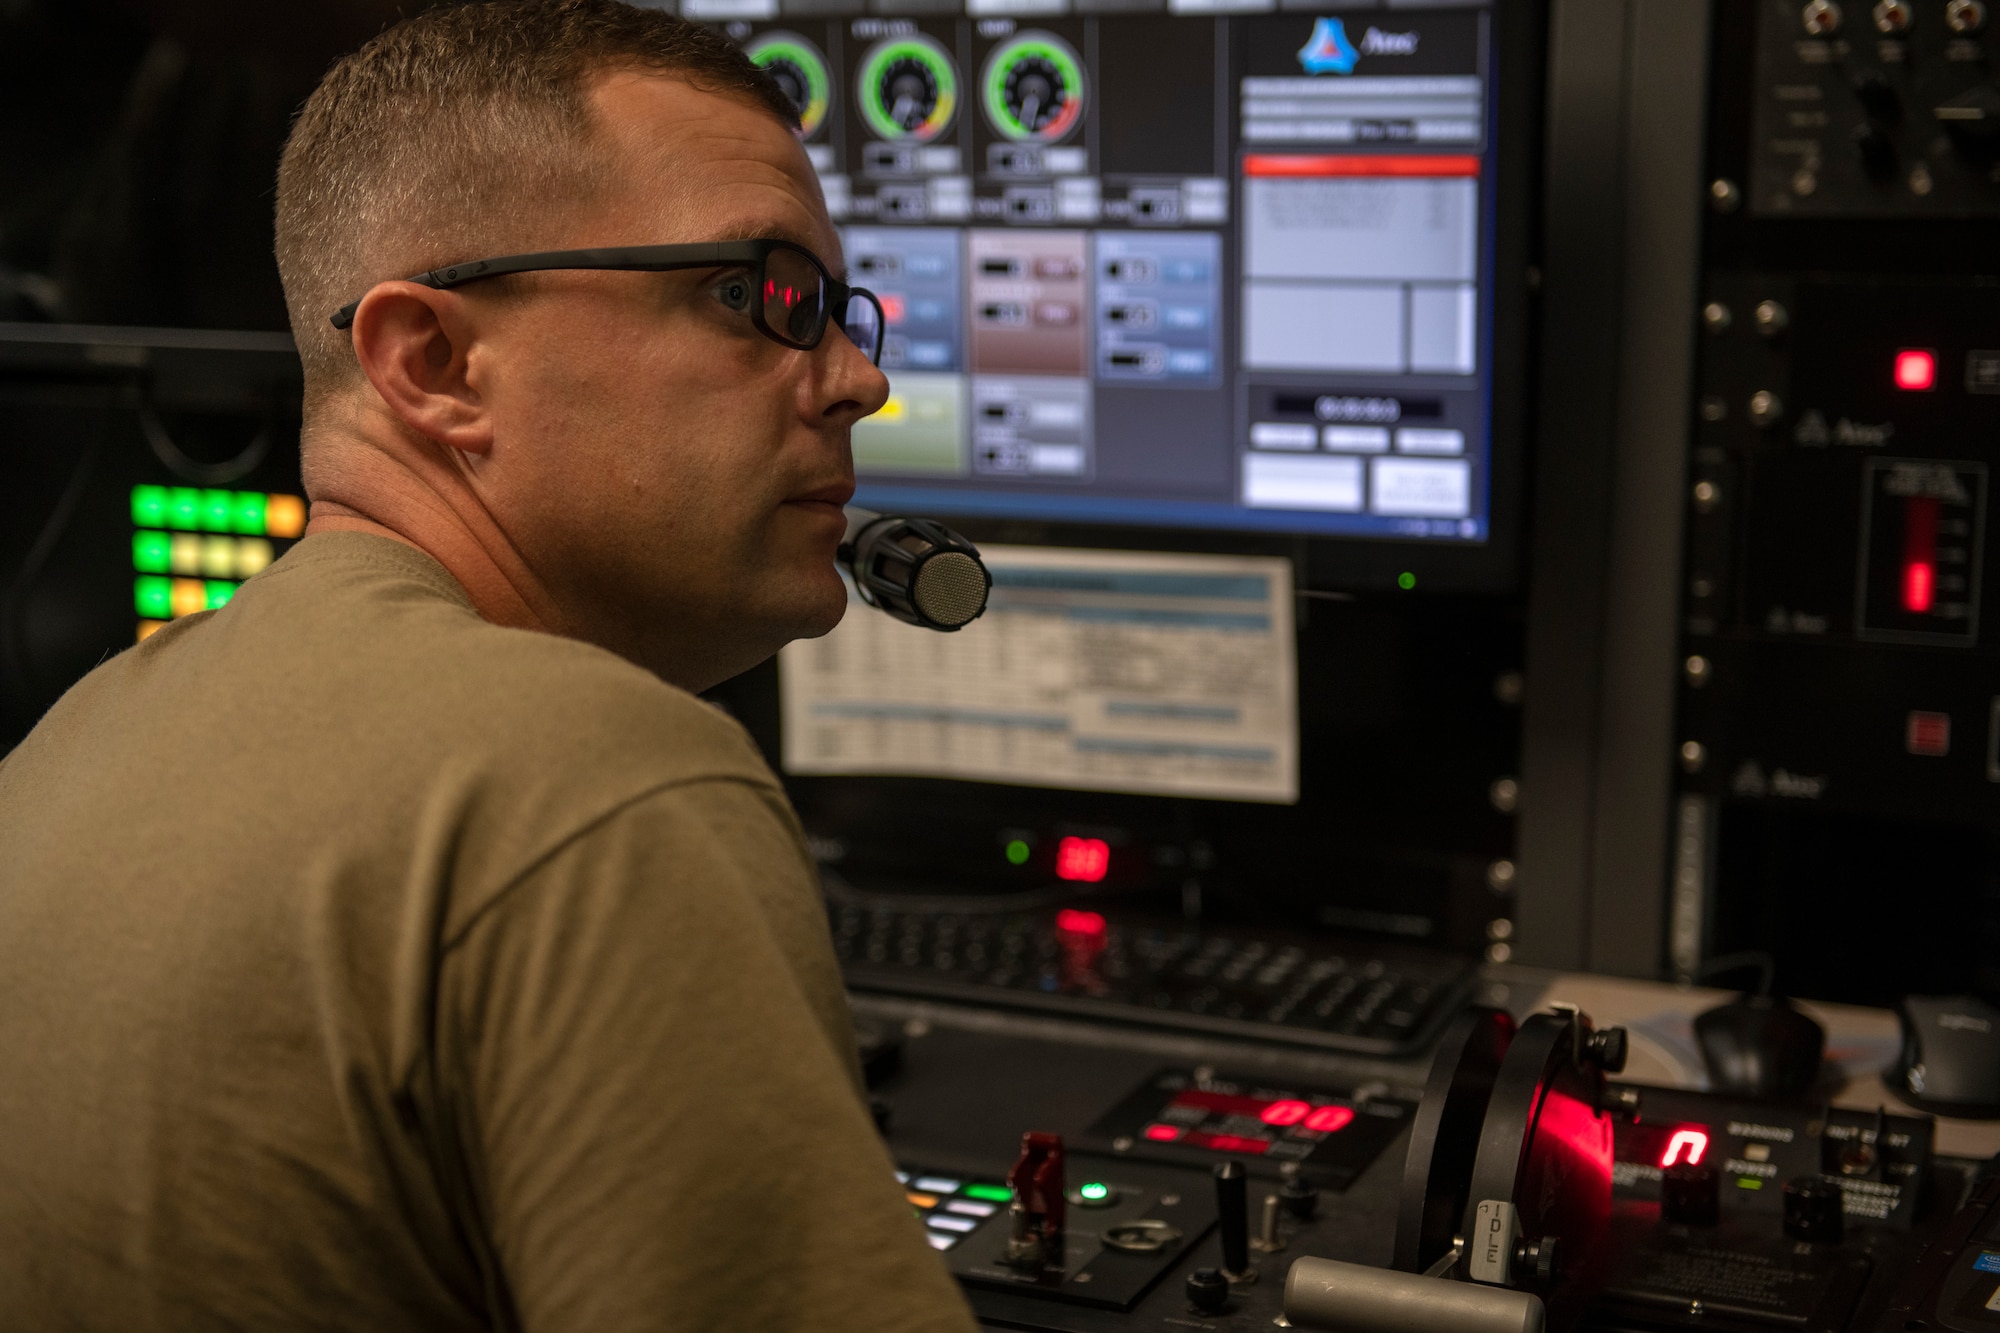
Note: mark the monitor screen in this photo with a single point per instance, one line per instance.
(1207, 268)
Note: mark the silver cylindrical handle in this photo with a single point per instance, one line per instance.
(1349, 1298)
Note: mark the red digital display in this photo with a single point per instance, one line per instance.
(1072, 922)
(1083, 860)
(1916, 369)
(1242, 1143)
(1330, 1119)
(1288, 1112)
(1685, 1145)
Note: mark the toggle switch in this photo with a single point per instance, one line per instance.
(1232, 1208)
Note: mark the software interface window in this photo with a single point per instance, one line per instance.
(1197, 268)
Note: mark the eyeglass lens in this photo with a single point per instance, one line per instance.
(862, 323)
(794, 297)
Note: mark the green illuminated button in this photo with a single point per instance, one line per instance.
(991, 1193)
(219, 592)
(154, 597)
(247, 515)
(1017, 852)
(1749, 1183)
(184, 508)
(1406, 580)
(151, 552)
(1093, 1194)
(149, 506)
(218, 511)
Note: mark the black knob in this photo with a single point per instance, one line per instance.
(1299, 1197)
(1878, 152)
(1207, 1290)
(1232, 1208)
(1690, 1194)
(1606, 1048)
(1813, 1210)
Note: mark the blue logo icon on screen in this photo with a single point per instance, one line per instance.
(1328, 51)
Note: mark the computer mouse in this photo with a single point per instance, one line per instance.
(1950, 1060)
(1758, 1046)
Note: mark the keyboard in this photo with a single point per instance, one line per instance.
(1237, 983)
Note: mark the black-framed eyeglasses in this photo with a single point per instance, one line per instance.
(788, 294)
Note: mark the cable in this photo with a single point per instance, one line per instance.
(191, 469)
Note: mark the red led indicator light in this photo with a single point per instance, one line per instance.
(1084, 860)
(1687, 1145)
(1920, 534)
(1162, 1133)
(1330, 1119)
(1072, 922)
(1916, 370)
(1285, 1113)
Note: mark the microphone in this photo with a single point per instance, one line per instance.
(916, 569)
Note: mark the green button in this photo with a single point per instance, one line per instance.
(1749, 1183)
(151, 552)
(154, 597)
(1017, 852)
(219, 592)
(248, 513)
(218, 511)
(184, 508)
(1094, 1191)
(990, 1193)
(149, 506)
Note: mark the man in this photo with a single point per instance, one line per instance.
(403, 946)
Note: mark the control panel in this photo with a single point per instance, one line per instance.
(1838, 746)
(1879, 110)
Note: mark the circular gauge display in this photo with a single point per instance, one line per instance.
(1034, 88)
(800, 71)
(909, 89)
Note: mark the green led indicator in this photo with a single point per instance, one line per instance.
(990, 1193)
(151, 552)
(218, 511)
(149, 506)
(184, 508)
(1017, 852)
(1749, 1183)
(1093, 1191)
(154, 597)
(247, 516)
(219, 592)
(1406, 580)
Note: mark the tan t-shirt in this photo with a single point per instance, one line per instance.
(364, 965)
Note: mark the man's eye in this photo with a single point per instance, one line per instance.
(734, 291)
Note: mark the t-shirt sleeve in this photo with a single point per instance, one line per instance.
(659, 1128)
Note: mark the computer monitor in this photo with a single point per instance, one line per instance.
(1188, 266)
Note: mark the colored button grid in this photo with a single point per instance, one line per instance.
(952, 1208)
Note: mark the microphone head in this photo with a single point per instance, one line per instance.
(951, 589)
(917, 570)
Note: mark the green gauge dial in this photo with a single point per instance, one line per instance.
(909, 89)
(1033, 88)
(800, 70)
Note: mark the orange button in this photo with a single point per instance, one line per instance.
(923, 1200)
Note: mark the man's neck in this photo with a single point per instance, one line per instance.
(424, 504)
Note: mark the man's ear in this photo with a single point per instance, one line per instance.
(412, 342)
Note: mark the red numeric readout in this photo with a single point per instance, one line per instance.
(1279, 1115)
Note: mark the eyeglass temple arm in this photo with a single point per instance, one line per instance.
(639, 259)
